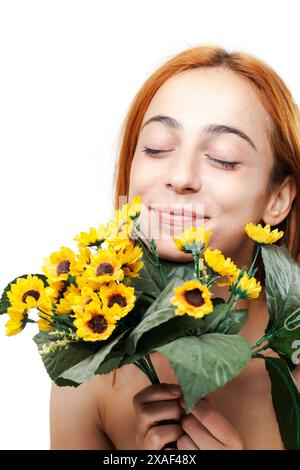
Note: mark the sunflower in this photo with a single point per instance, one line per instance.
(192, 298)
(46, 320)
(53, 291)
(219, 264)
(129, 257)
(64, 305)
(246, 288)
(104, 267)
(94, 324)
(83, 258)
(131, 210)
(28, 292)
(117, 299)
(60, 264)
(119, 231)
(192, 238)
(16, 322)
(95, 237)
(57, 286)
(79, 301)
(262, 235)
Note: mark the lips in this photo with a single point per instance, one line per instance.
(179, 216)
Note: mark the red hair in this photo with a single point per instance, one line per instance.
(273, 94)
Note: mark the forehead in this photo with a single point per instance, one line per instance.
(211, 95)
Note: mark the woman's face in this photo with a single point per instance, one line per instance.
(190, 171)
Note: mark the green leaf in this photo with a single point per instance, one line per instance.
(286, 401)
(218, 321)
(284, 343)
(59, 361)
(175, 327)
(110, 363)
(160, 325)
(130, 359)
(149, 280)
(213, 319)
(142, 304)
(4, 300)
(159, 312)
(282, 285)
(66, 383)
(232, 322)
(223, 321)
(205, 363)
(173, 269)
(85, 369)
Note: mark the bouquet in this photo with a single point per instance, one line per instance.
(115, 301)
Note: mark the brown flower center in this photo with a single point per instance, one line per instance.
(117, 299)
(104, 268)
(194, 297)
(63, 267)
(34, 293)
(98, 324)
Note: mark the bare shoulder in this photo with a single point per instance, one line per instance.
(76, 415)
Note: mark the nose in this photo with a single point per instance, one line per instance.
(183, 175)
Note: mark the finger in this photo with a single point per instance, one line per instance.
(156, 392)
(151, 413)
(158, 436)
(209, 399)
(215, 423)
(199, 434)
(186, 443)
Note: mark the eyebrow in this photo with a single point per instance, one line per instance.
(215, 129)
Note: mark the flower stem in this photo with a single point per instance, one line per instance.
(196, 263)
(232, 305)
(263, 339)
(143, 365)
(60, 320)
(254, 260)
(148, 359)
(261, 349)
(213, 279)
(230, 297)
(146, 366)
(47, 314)
(154, 251)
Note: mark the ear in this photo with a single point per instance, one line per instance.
(280, 202)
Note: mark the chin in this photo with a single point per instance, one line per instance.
(167, 250)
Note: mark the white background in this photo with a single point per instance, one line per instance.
(68, 72)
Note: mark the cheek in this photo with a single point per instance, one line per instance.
(238, 196)
(142, 177)
(235, 205)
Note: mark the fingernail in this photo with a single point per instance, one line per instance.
(175, 390)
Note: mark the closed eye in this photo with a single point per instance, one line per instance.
(224, 163)
(149, 151)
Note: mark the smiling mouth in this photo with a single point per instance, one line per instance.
(179, 220)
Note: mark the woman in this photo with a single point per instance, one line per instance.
(218, 131)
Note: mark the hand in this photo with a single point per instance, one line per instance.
(206, 429)
(153, 405)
